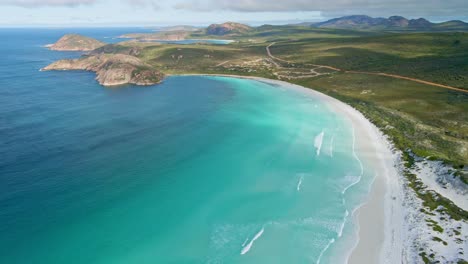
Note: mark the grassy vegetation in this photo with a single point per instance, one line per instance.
(435, 226)
(424, 257)
(287, 32)
(438, 239)
(436, 57)
(428, 120)
(419, 119)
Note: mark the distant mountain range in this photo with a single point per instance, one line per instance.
(392, 23)
(355, 22)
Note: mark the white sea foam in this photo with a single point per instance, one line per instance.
(245, 242)
(396, 252)
(358, 179)
(331, 145)
(355, 155)
(318, 142)
(246, 248)
(340, 230)
(299, 183)
(325, 249)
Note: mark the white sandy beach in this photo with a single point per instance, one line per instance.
(391, 226)
(380, 219)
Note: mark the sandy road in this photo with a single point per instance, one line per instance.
(411, 79)
(222, 63)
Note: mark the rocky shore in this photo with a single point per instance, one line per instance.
(112, 69)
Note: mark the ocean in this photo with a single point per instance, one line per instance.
(197, 169)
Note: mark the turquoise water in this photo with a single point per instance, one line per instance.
(195, 170)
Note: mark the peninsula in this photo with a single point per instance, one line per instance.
(112, 70)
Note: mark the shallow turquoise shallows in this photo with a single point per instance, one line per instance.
(195, 170)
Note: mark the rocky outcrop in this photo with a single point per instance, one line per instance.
(74, 42)
(228, 28)
(419, 23)
(398, 21)
(112, 69)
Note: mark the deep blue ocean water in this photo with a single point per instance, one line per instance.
(195, 170)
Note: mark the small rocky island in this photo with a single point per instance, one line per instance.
(111, 69)
(74, 42)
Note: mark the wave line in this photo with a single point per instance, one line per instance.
(325, 249)
(318, 142)
(250, 244)
(299, 183)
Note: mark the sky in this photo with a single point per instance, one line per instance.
(64, 13)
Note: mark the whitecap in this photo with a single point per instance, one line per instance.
(325, 249)
(318, 142)
(298, 188)
(245, 242)
(250, 244)
(340, 230)
(358, 178)
(355, 155)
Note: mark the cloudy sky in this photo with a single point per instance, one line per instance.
(201, 12)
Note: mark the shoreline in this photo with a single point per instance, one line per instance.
(381, 213)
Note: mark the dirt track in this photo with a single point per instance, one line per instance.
(374, 73)
(411, 79)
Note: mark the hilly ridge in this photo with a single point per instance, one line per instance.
(227, 28)
(75, 42)
(364, 22)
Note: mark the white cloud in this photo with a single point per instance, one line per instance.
(143, 3)
(38, 3)
(72, 3)
(333, 7)
(436, 9)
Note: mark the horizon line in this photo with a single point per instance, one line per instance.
(200, 24)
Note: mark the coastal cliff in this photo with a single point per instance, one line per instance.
(74, 42)
(112, 70)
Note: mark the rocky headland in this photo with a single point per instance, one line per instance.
(112, 69)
